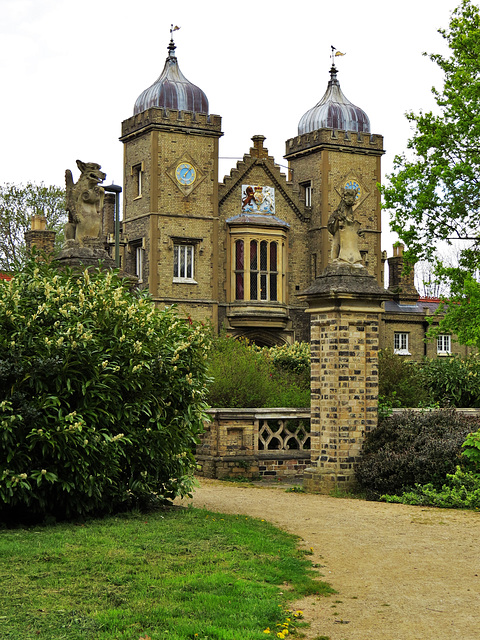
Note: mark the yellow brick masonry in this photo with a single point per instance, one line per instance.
(344, 393)
(328, 159)
(168, 212)
(229, 447)
(345, 306)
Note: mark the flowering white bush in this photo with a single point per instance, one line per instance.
(293, 357)
(101, 394)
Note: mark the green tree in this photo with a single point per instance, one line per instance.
(17, 205)
(434, 191)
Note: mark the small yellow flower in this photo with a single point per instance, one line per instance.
(267, 630)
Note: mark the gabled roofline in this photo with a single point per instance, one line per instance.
(244, 167)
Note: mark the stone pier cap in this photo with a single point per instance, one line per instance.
(344, 286)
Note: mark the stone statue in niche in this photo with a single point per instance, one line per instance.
(345, 231)
(84, 204)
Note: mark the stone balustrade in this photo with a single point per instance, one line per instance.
(255, 443)
(268, 443)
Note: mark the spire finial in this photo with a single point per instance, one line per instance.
(171, 46)
(334, 54)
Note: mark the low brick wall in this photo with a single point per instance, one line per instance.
(260, 443)
(255, 443)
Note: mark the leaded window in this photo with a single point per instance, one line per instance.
(183, 262)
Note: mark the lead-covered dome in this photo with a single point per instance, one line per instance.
(334, 111)
(172, 90)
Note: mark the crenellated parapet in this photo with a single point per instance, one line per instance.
(172, 119)
(364, 143)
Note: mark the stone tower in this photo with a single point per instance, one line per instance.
(335, 149)
(171, 193)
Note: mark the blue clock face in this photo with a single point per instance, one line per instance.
(353, 184)
(185, 173)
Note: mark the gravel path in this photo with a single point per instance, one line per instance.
(401, 572)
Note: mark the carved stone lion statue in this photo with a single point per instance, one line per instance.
(84, 203)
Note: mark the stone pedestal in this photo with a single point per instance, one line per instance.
(91, 254)
(344, 304)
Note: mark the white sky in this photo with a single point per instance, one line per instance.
(71, 72)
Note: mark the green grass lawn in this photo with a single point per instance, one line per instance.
(176, 574)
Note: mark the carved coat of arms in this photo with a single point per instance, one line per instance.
(258, 199)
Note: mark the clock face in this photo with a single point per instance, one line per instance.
(185, 173)
(353, 184)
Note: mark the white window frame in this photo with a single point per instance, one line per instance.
(137, 173)
(444, 344)
(308, 196)
(400, 343)
(139, 251)
(307, 193)
(181, 255)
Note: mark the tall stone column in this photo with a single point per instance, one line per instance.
(344, 304)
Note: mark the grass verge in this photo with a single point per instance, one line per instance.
(178, 574)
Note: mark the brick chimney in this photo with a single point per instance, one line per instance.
(401, 285)
(108, 221)
(258, 150)
(39, 236)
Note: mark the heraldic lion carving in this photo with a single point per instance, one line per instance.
(84, 203)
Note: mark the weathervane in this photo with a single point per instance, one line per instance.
(335, 53)
(172, 29)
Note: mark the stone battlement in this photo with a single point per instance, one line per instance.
(157, 117)
(357, 142)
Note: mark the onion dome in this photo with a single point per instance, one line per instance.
(334, 111)
(172, 90)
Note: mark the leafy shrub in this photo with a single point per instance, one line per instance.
(471, 452)
(412, 448)
(460, 491)
(101, 395)
(400, 382)
(291, 357)
(240, 375)
(442, 382)
(453, 381)
(244, 375)
(288, 389)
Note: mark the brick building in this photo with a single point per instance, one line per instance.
(239, 252)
